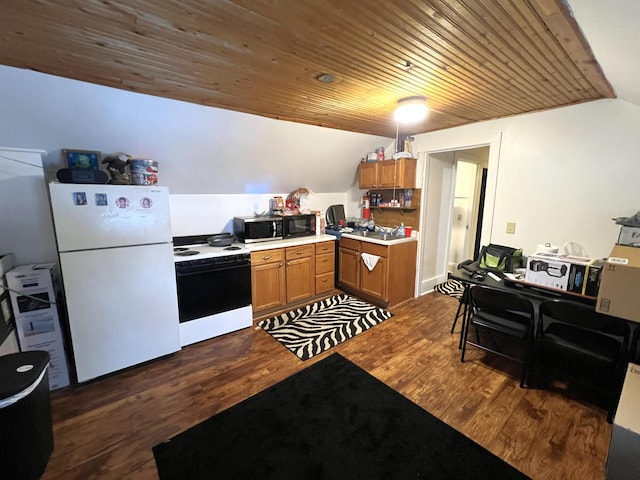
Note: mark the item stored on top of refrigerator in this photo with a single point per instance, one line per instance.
(81, 175)
(144, 171)
(118, 168)
(220, 239)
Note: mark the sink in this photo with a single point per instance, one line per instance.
(386, 237)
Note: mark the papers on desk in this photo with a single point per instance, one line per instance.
(513, 276)
(494, 276)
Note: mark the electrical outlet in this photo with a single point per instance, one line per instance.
(511, 227)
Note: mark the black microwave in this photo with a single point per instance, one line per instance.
(257, 229)
(298, 225)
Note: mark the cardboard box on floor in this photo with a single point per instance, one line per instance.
(618, 293)
(33, 298)
(624, 449)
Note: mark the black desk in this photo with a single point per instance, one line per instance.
(537, 295)
(529, 290)
(534, 293)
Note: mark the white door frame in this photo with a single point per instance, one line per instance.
(425, 281)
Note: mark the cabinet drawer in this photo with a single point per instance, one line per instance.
(374, 249)
(350, 243)
(325, 263)
(325, 247)
(324, 282)
(291, 253)
(267, 256)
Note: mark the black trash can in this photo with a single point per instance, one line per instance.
(26, 430)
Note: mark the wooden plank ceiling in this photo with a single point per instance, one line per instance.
(473, 59)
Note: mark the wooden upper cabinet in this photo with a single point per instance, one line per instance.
(399, 173)
(368, 175)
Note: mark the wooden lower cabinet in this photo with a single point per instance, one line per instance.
(268, 288)
(291, 275)
(349, 263)
(300, 273)
(325, 260)
(390, 282)
(375, 282)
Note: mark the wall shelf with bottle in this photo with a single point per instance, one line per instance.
(401, 209)
(407, 210)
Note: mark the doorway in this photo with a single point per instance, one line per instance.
(468, 201)
(438, 233)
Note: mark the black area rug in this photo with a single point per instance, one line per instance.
(453, 288)
(331, 421)
(320, 326)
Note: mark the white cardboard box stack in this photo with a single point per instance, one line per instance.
(8, 338)
(37, 320)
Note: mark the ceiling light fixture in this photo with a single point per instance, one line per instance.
(411, 109)
(325, 78)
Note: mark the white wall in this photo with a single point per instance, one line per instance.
(26, 227)
(204, 214)
(561, 175)
(200, 150)
(231, 163)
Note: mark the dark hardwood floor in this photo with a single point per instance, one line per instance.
(106, 428)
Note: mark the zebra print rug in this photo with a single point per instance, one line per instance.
(453, 288)
(320, 326)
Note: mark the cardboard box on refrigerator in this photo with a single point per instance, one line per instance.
(37, 321)
(618, 294)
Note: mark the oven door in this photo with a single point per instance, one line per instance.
(214, 285)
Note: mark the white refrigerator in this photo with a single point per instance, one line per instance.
(116, 262)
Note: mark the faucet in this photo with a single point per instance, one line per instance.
(398, 230)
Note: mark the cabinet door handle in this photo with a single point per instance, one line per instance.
(288, 264)
(280, 265)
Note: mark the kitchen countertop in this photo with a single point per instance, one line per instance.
(292, 242)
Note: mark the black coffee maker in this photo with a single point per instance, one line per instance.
(335, 217)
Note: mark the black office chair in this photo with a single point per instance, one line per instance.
(577, 343)
(508, 319)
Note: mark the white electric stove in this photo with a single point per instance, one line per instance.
(214, 288)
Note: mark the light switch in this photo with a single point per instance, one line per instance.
(511, 227)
